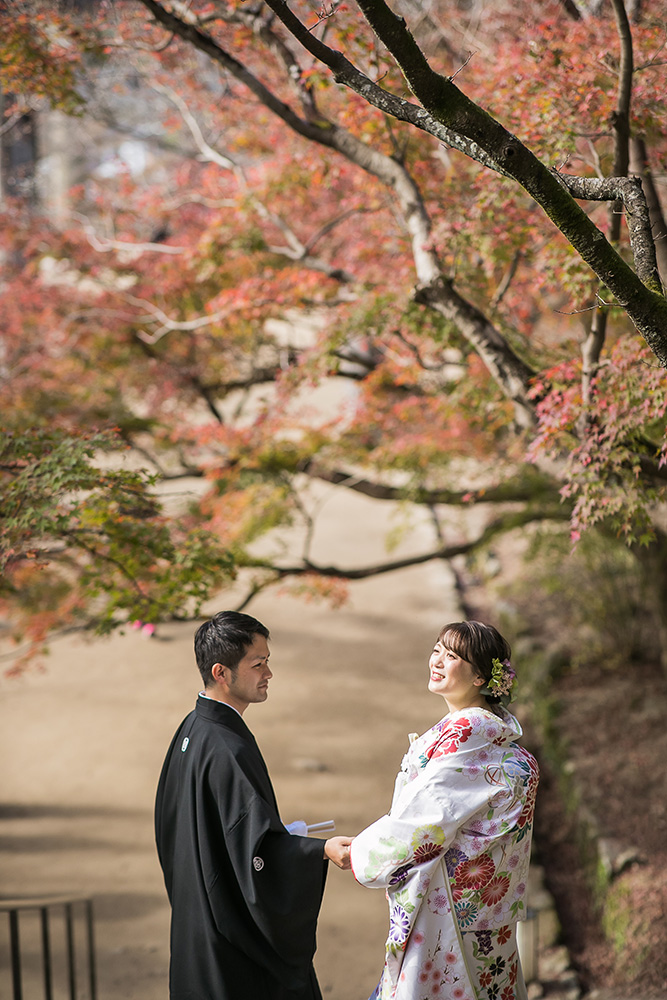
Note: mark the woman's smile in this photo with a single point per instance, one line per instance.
(454, 679)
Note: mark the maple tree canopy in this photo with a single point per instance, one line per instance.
(449, 219)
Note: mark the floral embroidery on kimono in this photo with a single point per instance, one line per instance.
(452, 856)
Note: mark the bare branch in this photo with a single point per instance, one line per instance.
(629, 191)
(510, 372)
(192, 198)
(169, 325)
(296, 250)
(343, 71)
(529, 487)
(593, 344)
(207, 153)
(500, 525)
(416, 353)
(462, 67)
(104, 245)
(644, 303)
(508, 278)
(640, 166)
(11, 122)
(328, 227)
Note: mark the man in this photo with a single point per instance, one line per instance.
(245, 894)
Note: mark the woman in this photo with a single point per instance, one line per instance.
(453, 852)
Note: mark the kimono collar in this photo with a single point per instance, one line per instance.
(502, 729)
(223, 714)
(202, 694)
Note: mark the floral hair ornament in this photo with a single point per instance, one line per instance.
(501, 683)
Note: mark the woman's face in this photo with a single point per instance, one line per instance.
(453, 678)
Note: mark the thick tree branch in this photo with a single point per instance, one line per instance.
(530, 486)
(252, 18)
(510, 372)
(593, 344)
(629, 191)
(444, 101)
(500, 525)
(640, 166)
(571, 9)
(343, 71)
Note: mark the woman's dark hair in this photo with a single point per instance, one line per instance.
(478, 644)
(225, 639)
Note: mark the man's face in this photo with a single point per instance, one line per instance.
(250, 682)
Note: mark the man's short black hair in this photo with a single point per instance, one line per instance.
(225, 638)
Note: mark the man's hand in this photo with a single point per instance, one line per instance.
(337, 849)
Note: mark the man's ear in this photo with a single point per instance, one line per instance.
(219, 673)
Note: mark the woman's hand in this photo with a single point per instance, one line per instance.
(337, 849)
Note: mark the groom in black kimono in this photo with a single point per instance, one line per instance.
(245, 894)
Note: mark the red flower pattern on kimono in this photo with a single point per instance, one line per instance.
(504, 934)
(495, 890)
(475, 873)
(426, 852)
(453, 734)
(457, 800)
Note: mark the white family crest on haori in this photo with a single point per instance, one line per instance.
(452, 855)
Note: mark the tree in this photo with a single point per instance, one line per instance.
(447, 262)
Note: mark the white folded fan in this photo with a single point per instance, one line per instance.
(300, 828)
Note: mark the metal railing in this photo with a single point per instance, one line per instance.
(67, 909)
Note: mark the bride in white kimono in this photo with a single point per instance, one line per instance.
(452, 854)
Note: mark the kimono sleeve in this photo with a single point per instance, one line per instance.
(275, 882)
(446, 793)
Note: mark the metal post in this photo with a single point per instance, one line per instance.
(91, 950)
(69, 926)
(46, 954)
(16, 953)
(54, 983)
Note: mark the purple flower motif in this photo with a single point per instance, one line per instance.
(399, 925)
(485, 942)
(453, 858)
(399, 875)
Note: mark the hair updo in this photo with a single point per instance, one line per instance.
(479, 645)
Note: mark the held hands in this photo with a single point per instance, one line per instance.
(337, 849)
